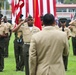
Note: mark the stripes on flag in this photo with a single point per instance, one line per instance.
(45, 6)
(37, 21)
(48, 6)
(17, 6)
(27, 7)
(41, 7)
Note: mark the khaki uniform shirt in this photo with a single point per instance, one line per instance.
(8, 27)
(67, 31)
(27, 33)
(56, 26)
(73, 31)
(3, 29)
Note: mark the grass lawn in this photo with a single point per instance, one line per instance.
(71, 62)
(9, 68)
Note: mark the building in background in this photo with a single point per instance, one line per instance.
(5, 7)
(66, 10)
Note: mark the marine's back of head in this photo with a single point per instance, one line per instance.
(48, 19)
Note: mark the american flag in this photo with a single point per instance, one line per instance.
(17, 6)
(27, 7)
(45, 6)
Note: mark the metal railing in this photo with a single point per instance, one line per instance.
(67, 15)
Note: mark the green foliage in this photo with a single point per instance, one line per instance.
(70, 1)
(71, 61)
(7, 5)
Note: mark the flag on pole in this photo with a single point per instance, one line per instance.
(37, 15)
(26, 7)
(13, 8)
(17, 6)
(45, 6)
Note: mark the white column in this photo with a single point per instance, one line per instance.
(4, 7)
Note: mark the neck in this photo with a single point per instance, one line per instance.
(0, 22)
(50, 25)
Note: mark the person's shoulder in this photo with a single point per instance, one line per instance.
(8, 23)
(34, 27)
(59, 32)
(67, 28)
(3, 25)
(62, 34)
(37, 34)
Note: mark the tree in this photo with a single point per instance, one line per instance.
(70, 1)
(2, 5)
(7, 4)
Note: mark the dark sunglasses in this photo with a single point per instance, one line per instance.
(30, 19)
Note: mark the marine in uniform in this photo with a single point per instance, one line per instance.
(64, 28)
(3, 34)
(9, 27)
(68, 32)
(28, 30)
(73, 31)
(18, 48)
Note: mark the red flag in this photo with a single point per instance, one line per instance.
(17, 6)
(29, 7)
(21, 3)
(54, 8)
(19, 9)
(41, 7)
(37, 15)
(13, 7)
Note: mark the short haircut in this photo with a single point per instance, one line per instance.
(1, 16)
(48, 19)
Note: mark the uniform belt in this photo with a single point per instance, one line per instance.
(27, 43)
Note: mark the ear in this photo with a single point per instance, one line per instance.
(65, 22)
(54, 22)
